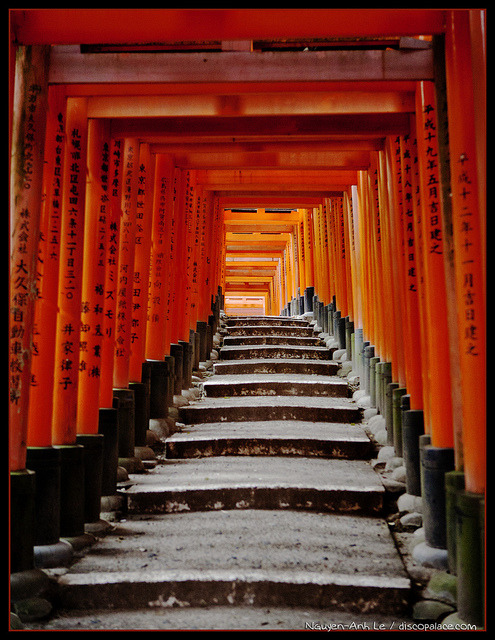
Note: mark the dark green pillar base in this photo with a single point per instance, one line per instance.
(435, 463)
(470, 510)
(397, 419)
(412, 429)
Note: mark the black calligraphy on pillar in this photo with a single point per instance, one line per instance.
(469, 255)
(432, 181)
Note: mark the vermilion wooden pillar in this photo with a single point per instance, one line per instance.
(300, 252)
(42, 366)
(465, 47)
(308, 248)
(365, 275)
(207, 255)
(466, 116)
(188, 249)
(93, 279)
(159, 328)
(41, 457)
(180, 257)
(356, 257)
(130, 165)
(389, 272)
(439, 420)
(412, 346)
(67, 337)
(376, 264)
(26, 173)
(141, 278)
(64, 422)
(347, 213)
(113, 211)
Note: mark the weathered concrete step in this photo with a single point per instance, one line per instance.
(255, 558)
(275, 385)
(303, 341)
(277, 366)
(271, 438)
(261, 330)
(319, 409)
(232, 617)
(275, 351)
(243, 482)
(266, 321)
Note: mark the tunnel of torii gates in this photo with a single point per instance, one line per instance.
(167, 164)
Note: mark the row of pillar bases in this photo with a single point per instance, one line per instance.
(453, 519)
(56, 503)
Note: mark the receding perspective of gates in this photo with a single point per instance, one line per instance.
(247, 279)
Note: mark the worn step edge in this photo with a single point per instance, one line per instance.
(263, 411)
(267, 321)
(271, 340)
(303, 366)
(260, 330)
(158, 500)
(162, 589)
(204, 446)
(266, 387)
(275, 351)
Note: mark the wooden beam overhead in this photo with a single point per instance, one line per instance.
(231, 129)
(268, 199)
(252, 104)
(276, 180)
(68, 65)
(127, 26)
(271, 160)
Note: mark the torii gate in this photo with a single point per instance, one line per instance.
(340, 127)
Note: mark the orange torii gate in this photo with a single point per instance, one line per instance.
(373, 232)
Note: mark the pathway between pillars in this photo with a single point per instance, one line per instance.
(263, 512)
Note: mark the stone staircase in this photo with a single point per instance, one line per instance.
(264, 498)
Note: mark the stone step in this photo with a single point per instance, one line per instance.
(270, 438)
(275, 351)
(243, 321)
(259, 482)
(261, 330)
(275, 385)
(303, 341)
(319, 409)
(241, 558)
(277, 366)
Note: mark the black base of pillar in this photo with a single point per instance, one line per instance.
(177, 352)
(93, 472)
(159, 389)
(187, 363)
(454, 484)
(45, 462)
(108, 427)
(171, 379)
(22, 518)
(412, 429)
(201, 330)
(126, 411)
(435, 463)
(470, 509)
(71, 490)
(141, 412)
(309, 292)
